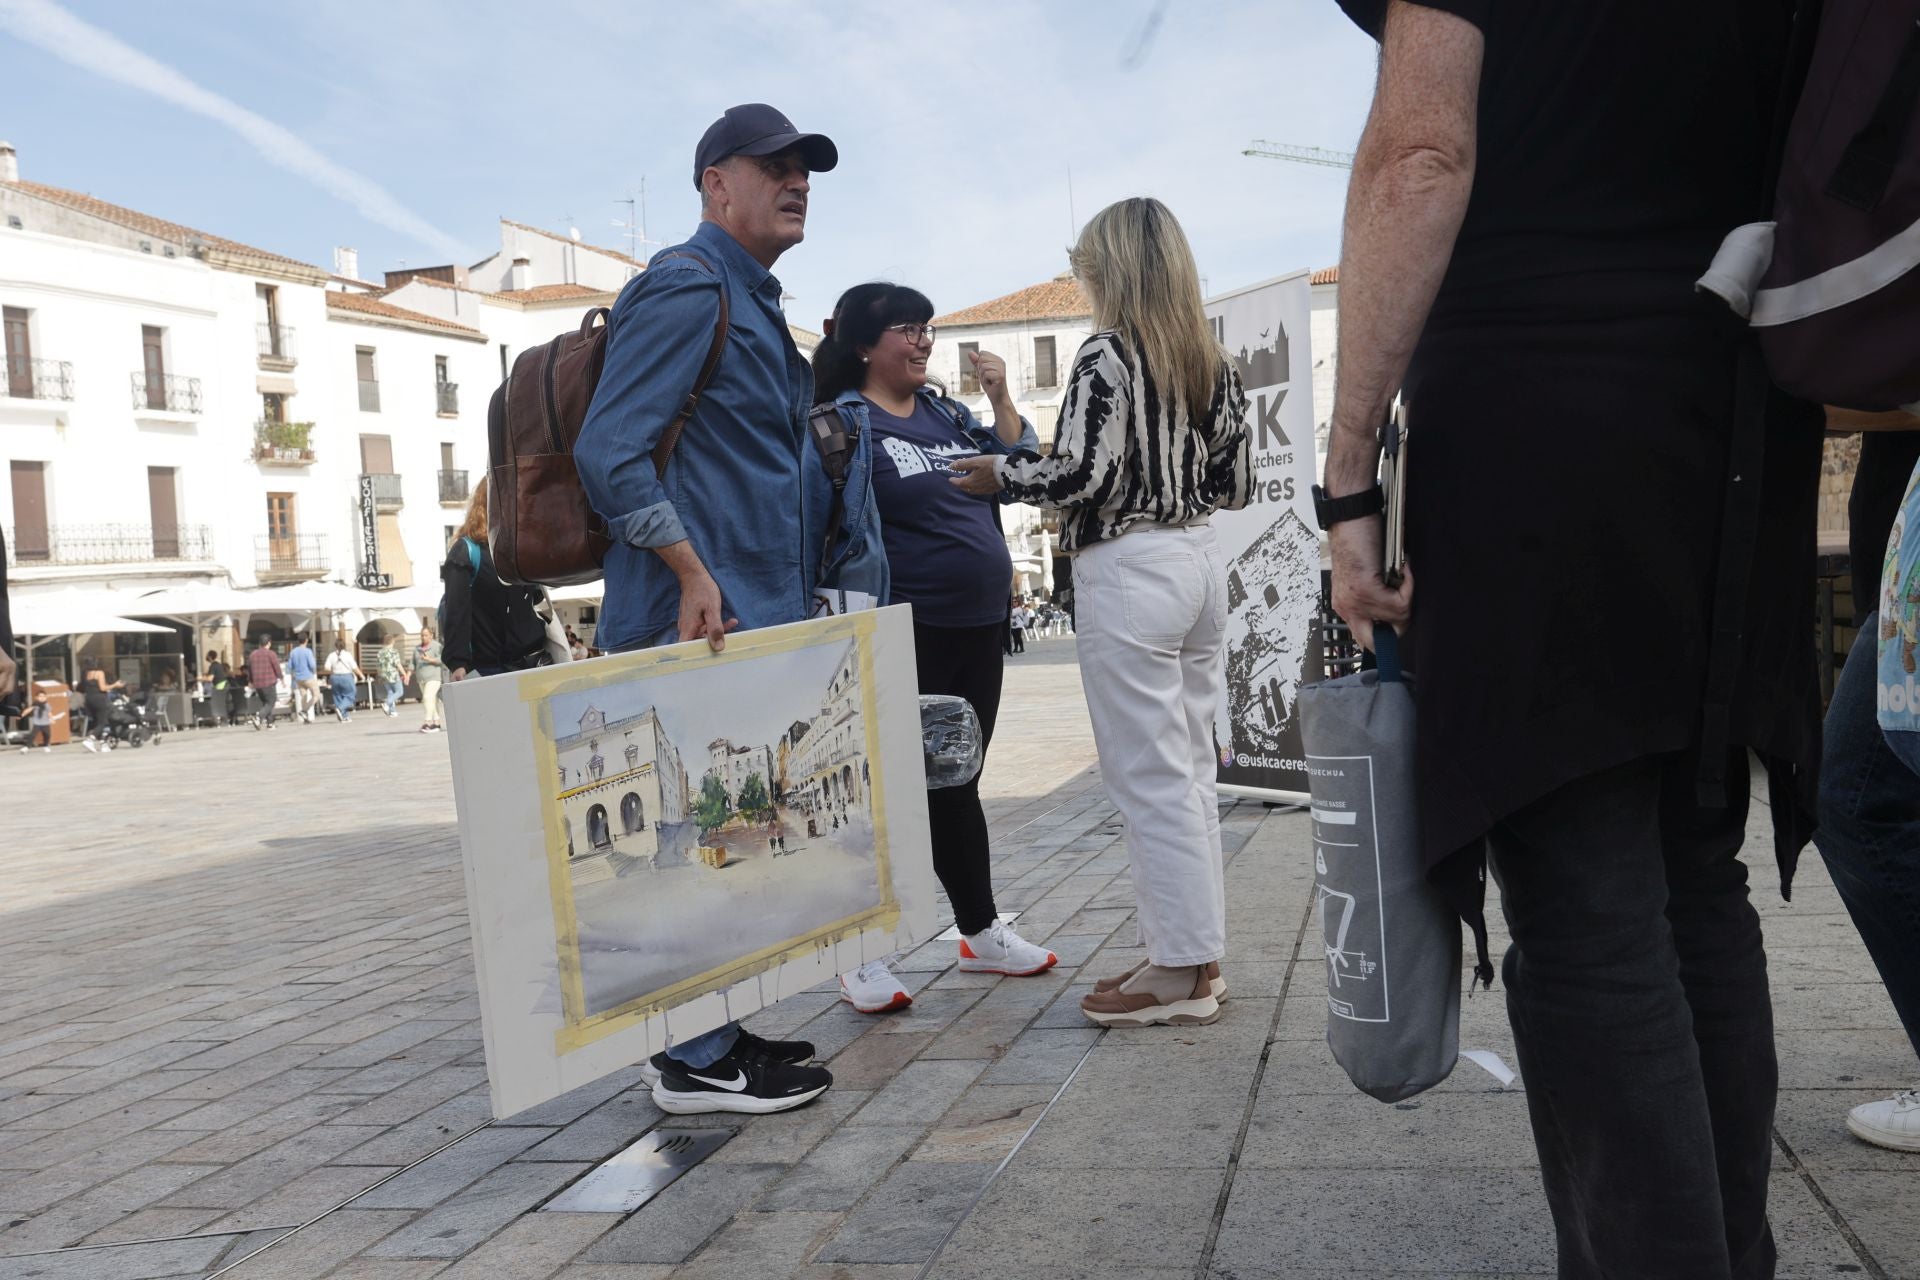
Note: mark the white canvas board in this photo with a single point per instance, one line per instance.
(659, 842)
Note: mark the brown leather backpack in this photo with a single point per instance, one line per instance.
(541, 528)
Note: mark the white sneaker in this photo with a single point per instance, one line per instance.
(1893, 1123)
(872, 988)
(90, 745)
(998, 949)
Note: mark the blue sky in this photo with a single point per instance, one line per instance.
(417, 123)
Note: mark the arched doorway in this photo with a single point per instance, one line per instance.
(632, 817)
(568, 824)
(597, 834)
(846, 784)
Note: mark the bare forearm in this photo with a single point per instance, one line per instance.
(1006, 421)
(1412, 176)
(683, 560)
(1403, 212)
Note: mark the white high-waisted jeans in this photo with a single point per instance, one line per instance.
(1151, 621)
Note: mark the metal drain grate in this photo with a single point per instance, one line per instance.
(639, 1173)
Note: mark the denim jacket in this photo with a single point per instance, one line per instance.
(853, 407)
(745, 484)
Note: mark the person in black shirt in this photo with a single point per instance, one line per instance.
(1536, 191)
(490, 627)
(1869, 829)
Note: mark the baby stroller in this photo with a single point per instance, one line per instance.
(129, 722)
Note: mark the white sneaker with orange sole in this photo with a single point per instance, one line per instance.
(998, 949)
(872, 988)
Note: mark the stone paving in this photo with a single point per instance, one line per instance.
(238, 994)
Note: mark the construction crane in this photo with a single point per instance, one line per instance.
(1299, 155)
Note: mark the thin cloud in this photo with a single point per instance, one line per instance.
(53, 29)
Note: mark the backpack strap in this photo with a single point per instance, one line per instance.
(663, 452)
(473, 557)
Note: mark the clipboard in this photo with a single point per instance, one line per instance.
(1393, 485)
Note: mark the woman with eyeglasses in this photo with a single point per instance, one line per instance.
(1153, 440)
(948, 559)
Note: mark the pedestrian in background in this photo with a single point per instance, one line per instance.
(1017, 621)
(304, 671)
(95, 689)
(1153, 440)
(491, 626)
(393, 676)
(264, 672)
(40, 722)
(342, 672)
(431, 671)
(948, 559)
(1535, 193)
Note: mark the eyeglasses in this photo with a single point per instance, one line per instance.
(911, 332)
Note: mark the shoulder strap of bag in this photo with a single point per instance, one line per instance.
(663, 452)
(473, 557)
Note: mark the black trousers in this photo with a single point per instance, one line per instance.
(1637, 986)
(964, 662)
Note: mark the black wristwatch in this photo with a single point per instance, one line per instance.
(1332, 511)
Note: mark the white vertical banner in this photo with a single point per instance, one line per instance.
(1271, 548)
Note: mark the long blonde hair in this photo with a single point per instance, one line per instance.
(475, 525)
(1138, 269)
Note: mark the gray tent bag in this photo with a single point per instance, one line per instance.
(1393, 944)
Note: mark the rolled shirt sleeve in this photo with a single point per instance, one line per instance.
(661, 330)
(1086, 461)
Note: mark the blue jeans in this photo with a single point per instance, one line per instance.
(390, 694)
(343, 693)
(1869, 830)
(705, 1050)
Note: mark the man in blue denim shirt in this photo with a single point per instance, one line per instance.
(731, 535)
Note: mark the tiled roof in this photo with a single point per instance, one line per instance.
(1060, 298)
(554, 292)
(554, 235)
(145, 223)
(1325, 275)
(368, 305)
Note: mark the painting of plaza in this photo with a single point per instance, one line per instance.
(708, 814)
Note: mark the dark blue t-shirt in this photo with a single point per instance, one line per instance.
(947, 556)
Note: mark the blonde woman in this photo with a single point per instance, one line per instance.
(1152, 442)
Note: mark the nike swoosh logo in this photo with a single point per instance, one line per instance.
(735, 1085)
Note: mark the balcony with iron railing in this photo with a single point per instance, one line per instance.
(454, 489)
(386, 492)
(447, 395)
(282, 444)
(290, 557)
(369, 395)
(165, 393)
(31, 379)
(276, 346)
(80, 544)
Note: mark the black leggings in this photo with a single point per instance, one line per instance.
(965, 662)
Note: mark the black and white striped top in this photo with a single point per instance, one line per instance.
(1125, 455)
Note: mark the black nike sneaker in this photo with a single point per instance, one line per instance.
(749, 1080)
(793, 1052)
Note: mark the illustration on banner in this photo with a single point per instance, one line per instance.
(705, 817)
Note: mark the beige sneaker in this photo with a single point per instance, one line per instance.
(1219, 983)
(1152, 996)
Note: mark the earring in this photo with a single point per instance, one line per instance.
(864, 360)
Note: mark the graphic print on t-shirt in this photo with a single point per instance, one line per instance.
(910, 459)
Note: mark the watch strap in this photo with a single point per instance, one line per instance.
(1354, 506)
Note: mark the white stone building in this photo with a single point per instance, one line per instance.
(180, 409)
(620, 781)
(733, 765)
(827, 767)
